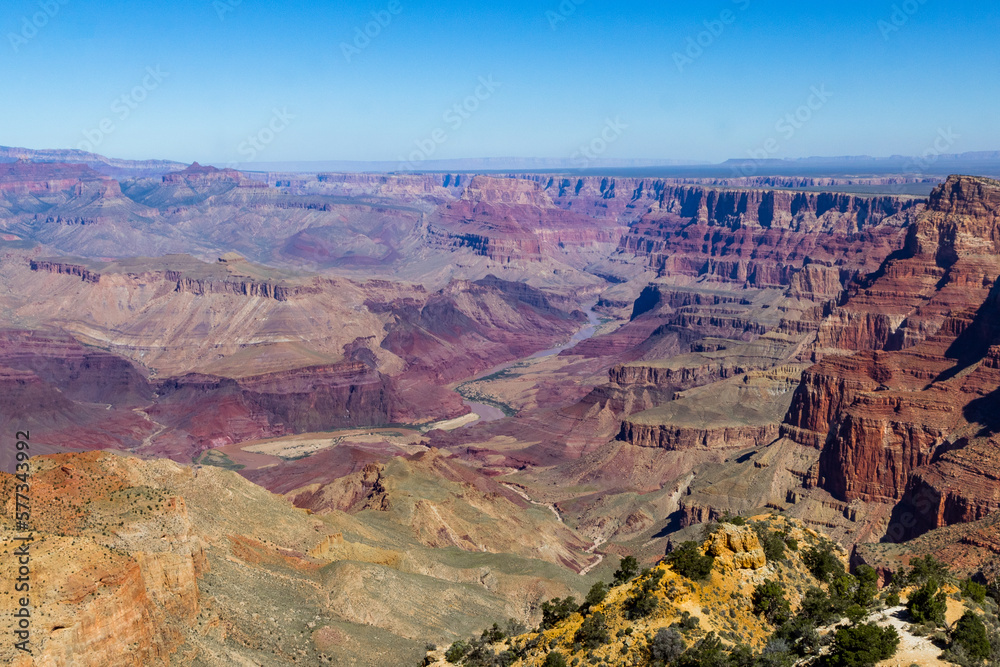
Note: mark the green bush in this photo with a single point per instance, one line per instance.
(594, 632)
(928, 604)
(772, 542)
(666, 646)
(708, 652)
(643, 601)
(862, 645)
(628, 567)
(924, 569)
(973, 591)
(769, 601)
(688, 561)
(596, 595)
(816, 606)
(822, 562)
(867, 585)
(456, 651)
(892, 599)
(970, 635)
(555, 611)
(554, 659)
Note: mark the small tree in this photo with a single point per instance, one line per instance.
(555, 611)
(769, 601)
(554, 659)
(924, 569)
(867, 586)
(822, 562)
(928, 604)
(594, 632)
(863, 645)
(628, 567)
(772, 542)
(456, 651)
(975, 592)
(970, 635)
(596, 595)
(709, 652)
(688, 561)
(666, 646)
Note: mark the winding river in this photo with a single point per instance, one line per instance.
(489, 413)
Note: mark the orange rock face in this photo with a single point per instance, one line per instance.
(910, 420)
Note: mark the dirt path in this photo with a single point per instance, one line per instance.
(534, 502)
(913, 650)
(148, 440)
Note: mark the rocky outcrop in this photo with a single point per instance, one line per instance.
(894, 423)
(765, 238)
(735, 548)
(679, 438)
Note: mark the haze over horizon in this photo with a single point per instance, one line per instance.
(220, 82)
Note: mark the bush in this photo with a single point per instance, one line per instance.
(970, 635)
(867, 585)
(456, 651)
(822, 562)
(928, 604)
(800, 635)
(688, 561)
(594, 632)
(924, 569)
(554, 659)
(973, 591)
(596, 595)
(555, 611)
(628, 567)
(769, 601)
(687, 622)
(892, 599)
(494, 634)
(643, 600)
(772, 542)
(708, 652)
(666, 646)
(863, 645)
(816, 606)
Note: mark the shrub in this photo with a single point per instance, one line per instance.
(769, 601)
(973, 591)
(792, 543)
(863, 645)
(456, 651)
(554, 659)
(666, 646)
(816, 606)
(688, 561)
(867, 585)
(643, 600)
(734, 520)
(970, 635)
(928, 604)
(892, 599)
(924, 569)
(594, 632)
(494, 634)
(596, 595)
(772, 542)
(706, 653)
(628, 567)
(822, 562)
(687, 622)
(555, 611)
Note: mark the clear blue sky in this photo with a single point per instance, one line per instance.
(228, 71)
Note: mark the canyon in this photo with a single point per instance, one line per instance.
(250, 381)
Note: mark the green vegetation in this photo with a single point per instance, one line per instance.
(862, 645)
(555, 611)
(688, 561)
(627, 569)
(769, 601)
(555, 659)
(596, 595)
(973, 591)
(772, 541)
(969, 641)
(212, 457)
(822, 562)
(927, 604)
(643, 601)
(594, 631)
(666, 646)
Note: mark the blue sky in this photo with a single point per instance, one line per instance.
(196, 79)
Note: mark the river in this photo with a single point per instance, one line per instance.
(489, 413)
